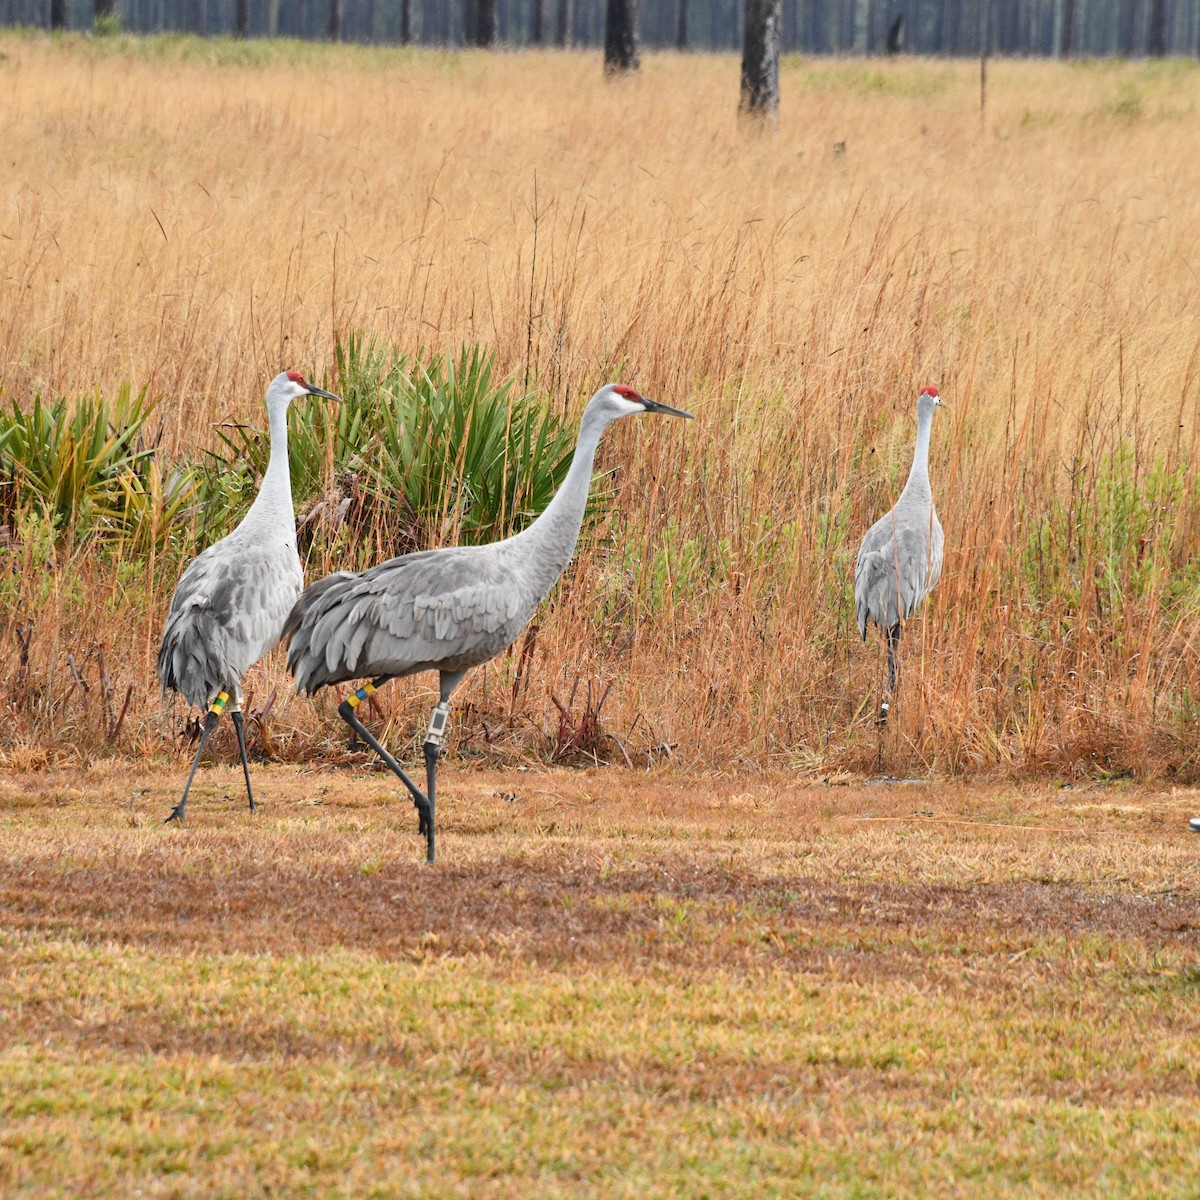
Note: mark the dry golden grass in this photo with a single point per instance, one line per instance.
(610, 986)
(629, 983)
(192, 217)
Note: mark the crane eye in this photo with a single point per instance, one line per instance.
(627, 393)
(296, 377)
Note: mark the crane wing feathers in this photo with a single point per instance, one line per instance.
(448, 609)
(227, 611)
(898, 564)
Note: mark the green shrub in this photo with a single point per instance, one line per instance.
(87, 468)
(419, 454)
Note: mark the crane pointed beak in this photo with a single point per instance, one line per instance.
(313, 390)
(655, 407)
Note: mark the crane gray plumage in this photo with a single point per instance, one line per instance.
(446, 610)
(901, 556)
(229, 606)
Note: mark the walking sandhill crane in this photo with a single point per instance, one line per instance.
(901, 556)
(229, 605)
(445, 610)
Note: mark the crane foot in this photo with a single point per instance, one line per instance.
(176, 815)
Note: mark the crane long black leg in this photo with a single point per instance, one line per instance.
(893, 640)
(210, 723)
(431, 758)
(241, 741)
(433, 743)
(347, 713)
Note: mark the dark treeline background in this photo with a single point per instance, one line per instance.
(1061, 28)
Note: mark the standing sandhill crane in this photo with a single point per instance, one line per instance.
(445, 610)
(901, 556)
(229, 605)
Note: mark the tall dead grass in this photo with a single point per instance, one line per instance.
(193, 216)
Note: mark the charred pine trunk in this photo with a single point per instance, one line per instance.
(760, 58)
(1066, 38)
(681, 25)
(620, 37)
(241, 18)
(537, 23)
(562, 28)
(479, 23)
(58, 14)
(1127, 23)
(405, 22)
(335, 20)
(485, 23)
(1156, 29)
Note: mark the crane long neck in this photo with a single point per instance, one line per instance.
(918, 477)
(274, 500)
(547, 545)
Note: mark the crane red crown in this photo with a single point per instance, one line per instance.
(296, 377)
(628, 393)
(930, 391)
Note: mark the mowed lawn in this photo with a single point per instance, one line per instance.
(611, 984)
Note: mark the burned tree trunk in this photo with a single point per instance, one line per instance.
(1156, 29)
(620, 37)
(241, 18)
(335, 20)
(537, 23)
(681, 25)
(1126, 25)
(1067, 34)
(479, 22)
(58, 14)
(485, 23)
(562, 30)
(405, 22)
(760, 58)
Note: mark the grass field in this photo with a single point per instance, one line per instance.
(733, 967)
(612, 985)
(191, 216)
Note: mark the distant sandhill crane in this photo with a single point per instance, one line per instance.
(901, 556)
(445, 610)
(229, 605)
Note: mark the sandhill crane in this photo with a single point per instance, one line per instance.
(445, 610)
(901, 556)
(229, 605)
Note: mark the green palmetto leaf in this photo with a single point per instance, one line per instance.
(437, 450)
(68, 460)
(422, 452)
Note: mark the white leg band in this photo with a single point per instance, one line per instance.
(437, 724)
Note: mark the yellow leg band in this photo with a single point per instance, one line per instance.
(363, 693)
(219, 703)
